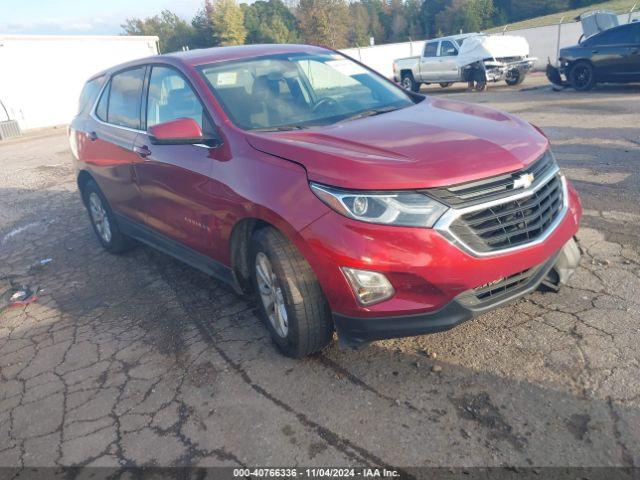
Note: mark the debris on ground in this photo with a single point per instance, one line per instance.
(436, 368)
(23, 296)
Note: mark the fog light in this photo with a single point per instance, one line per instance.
(369, 287)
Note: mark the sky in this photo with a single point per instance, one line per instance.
(82, 17)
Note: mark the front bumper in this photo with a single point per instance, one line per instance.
(497, 71)
(427, 269)
(354, 331)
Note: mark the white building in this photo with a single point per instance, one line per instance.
(41, 75)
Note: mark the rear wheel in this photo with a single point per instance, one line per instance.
(481, 86)
(582, 76)
(103, 220)
(291, 302)
(409, 83)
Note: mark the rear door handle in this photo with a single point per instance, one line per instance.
(93, 136)
(143, 150)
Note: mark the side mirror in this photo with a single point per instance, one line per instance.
(182, 131)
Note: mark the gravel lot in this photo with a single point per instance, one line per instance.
(140, 360)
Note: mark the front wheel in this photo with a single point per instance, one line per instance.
(582, 76)
(515, 78)
(291, 302)
(408, 83)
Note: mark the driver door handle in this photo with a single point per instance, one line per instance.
(143, 150)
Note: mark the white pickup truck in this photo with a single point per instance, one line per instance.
(474, 58)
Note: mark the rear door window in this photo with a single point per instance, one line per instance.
(125, 96)
(625, 35)
(431, 49)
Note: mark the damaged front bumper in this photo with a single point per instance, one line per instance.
(553, 273)
(497, 71)
(556, 75)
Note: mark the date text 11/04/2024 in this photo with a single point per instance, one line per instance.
(316, 472)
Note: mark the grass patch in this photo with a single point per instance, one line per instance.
(618, 6)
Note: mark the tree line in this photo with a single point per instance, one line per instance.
(335, 23)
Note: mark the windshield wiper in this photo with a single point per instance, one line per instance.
(369, 113)
(281, 128)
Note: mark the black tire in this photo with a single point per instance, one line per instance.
(516, 78)
(309, 322)
(116, 241)
(582, 76)
(481, 86)
(409, 83)
(446, 84)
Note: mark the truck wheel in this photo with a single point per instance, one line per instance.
(291, 302)
(103, 220)
(515, 78)
(582, 76)
(481, 86)
(409, 83)
(446, 84)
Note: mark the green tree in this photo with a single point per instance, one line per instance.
(173, 32)
(269, 22)
(465, 16)
(204, 33)
(375, 8)
(415, 28)
(324, 22)
(358, 35)
(227, 19)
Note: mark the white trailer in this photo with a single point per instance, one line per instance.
(41, 76)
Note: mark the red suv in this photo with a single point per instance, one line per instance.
(344, 202)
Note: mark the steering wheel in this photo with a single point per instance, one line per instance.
(324, 102)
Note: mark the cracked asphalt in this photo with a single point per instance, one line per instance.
(140, 360)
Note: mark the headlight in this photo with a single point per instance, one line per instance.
(408, 209)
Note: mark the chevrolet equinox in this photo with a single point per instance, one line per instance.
(344, 202)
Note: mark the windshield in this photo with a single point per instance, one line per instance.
(286, 91)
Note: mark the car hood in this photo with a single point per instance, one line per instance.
(433, 143)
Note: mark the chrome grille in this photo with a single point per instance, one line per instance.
(511, 223)
(487, 189)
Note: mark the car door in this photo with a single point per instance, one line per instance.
(176, 179)
(429, 62)
(448, 67)
(632, 63)
(611, 53)
(108, 142)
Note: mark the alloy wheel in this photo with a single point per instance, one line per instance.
(582, 76)
(99, 217)
(271, 295)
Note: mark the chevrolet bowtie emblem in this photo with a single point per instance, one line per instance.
(523, 181)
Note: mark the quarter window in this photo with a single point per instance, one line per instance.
(89, 93)
(171, 97)
(103, 104)
(125, 95)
